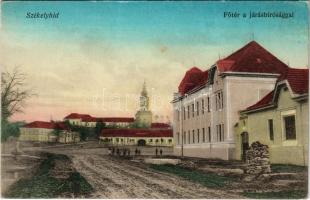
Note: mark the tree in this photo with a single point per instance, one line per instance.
(13, 93)
(99, 127)
(10, 129)
(57, 133)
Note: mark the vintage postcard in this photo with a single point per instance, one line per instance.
(154, 99)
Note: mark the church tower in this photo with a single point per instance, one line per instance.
(144, 115)
(144, 99)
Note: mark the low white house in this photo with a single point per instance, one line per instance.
(140, 137)
(40, 131)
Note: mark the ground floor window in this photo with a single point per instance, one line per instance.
(270, 127)
(289, 127)
(209, 134)
(203, 135)
(198, 136)
(220, 132)
(193, 136)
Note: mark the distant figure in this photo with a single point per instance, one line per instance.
(124, 152)
(156, 152)
(113, 151)
(161, 152)
(117, 152)
(128, 152)
(136, 151)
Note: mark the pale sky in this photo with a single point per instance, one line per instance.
(95, 57)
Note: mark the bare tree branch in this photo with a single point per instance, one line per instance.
(13, 92)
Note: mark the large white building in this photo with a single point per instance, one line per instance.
(207, 104)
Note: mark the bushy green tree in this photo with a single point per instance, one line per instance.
(99, 127)
(10, 129)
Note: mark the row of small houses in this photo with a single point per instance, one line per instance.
(158, 134)
(248, 96)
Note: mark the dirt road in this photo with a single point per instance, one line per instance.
(115, 178)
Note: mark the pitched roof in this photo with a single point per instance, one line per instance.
(160, 125)
(252, 58)
(89, 118)
(137, 133)
(194, 77)
(77, 116)
(298, 80)
(264, 102)
(47, 125)
(118, 119)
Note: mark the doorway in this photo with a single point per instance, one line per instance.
(244, 144)
(141, 142)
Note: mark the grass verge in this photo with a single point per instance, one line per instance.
(44, 185)
(211, 180)
(278, 168)
(293, 194)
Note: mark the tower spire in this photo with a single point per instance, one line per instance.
(144, 99)
(144, 92)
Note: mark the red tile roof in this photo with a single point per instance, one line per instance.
(264, 102)
(118, 119)
(160, 125)
(137, 133)
(193, 78)
(298, 80)
(47, 125)
(88, 118)
(77, 116)
(252, 58)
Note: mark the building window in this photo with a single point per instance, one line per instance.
(208, 104)
(170, 141)
(289, 127)
(202, 106)
(188, 115)
(184, 137)
(197, 107)
(209, 134)
(198, 136)
(189, 137)
(193, 110)
(219, 100)
(220, 132)
(178, 115)
(193, 136)
(270, 127)
(184, 114)
(203, 135)
(178, 136)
